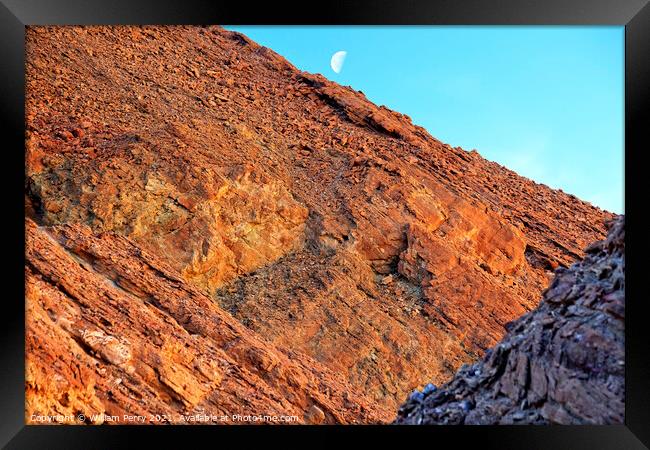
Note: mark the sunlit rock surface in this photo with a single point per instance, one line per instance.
(323, 225)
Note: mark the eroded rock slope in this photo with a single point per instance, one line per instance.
(113, 330)
(326, 224)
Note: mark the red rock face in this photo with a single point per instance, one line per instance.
(113, 330)
(329, 227)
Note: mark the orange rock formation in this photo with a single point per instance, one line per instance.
(216, 229)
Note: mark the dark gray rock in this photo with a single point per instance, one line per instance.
(562, 363)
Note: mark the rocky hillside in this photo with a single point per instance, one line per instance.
(329, 227)
(563, 363)
(113, 330)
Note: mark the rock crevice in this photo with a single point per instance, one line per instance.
(562, 363)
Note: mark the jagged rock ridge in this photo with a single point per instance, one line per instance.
(563, 363)
(330, 226)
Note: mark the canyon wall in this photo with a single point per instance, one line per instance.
(323, 225)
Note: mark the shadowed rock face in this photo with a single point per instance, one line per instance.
(563, 363)
(329, 226)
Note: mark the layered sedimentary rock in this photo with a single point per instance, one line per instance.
(563, 363)
(325, 224)
(112, 331)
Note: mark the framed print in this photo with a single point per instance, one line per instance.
(378, 218)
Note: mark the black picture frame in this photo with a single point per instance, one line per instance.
(633, 14)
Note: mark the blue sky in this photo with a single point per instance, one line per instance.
(547, 102)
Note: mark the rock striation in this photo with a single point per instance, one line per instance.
(563, 363)
(326, 226)
(113, 330)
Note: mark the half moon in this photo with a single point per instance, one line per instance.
(337, 61)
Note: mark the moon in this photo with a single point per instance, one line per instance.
(337, 61)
